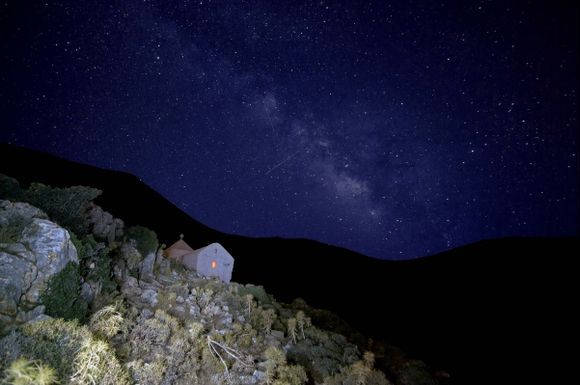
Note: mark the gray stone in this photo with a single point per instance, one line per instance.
(149, 296)
(146, 313)
(194, 311)
(131, 256)
(51, 250)
(259, 375)
(181, 290)
(26, 266)
(87, 292)
(10, 211)
(119, 228)
(146, 266)
(41, 317)
(277, 334)
(130, 287)
(247, 380)
(163, 266)
(25, 316)
(179, 309)
(103, 225)
(119, 271)
(226, 319)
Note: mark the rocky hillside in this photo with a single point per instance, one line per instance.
(461, 311)
(85, 300)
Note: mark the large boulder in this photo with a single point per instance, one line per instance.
(39, 250)
(146, 267)
(103, 225)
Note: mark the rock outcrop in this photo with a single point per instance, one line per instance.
(103, 225)
(40, 250)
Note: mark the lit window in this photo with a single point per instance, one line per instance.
(213, 264)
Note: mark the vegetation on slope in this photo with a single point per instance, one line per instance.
(168, 326)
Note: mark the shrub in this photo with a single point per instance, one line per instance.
(75, 354)
(360, 373)
(84, 358)
(95, 261)
(101, 272)
(322, 353)
(265, 319)
(90, 362)
(62, 297)
(10, 188)
(163, 350)
(67, 206)
(150, 373)
(257, 292)
(176, 266)
(107, 322)
(278, 372)
(25, 372)
(145, 238)
(291, 375)
(291, 328)
(79, 246)
(415, 372)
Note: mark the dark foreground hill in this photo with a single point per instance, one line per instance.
(497, 311)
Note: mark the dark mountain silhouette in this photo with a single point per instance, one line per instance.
(497, 311)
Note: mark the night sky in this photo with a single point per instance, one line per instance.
(395, 129)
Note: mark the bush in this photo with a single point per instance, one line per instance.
(62, 297)
(145, 238)
(322, 353)
(10, 188)
(67, 206)
(76, 355)
(360, 372)
(107, 322)
(150, 373)
(95, 262)
(25, 372)
(79, 246)
(102, 271)
(257, 292)
(415, 372)
(278, 371)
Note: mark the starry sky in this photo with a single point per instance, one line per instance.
(395, 129)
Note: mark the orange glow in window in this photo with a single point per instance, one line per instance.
(213, 264)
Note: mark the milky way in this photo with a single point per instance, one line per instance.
(396, 130)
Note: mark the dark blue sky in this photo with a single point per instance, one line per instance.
(394, 129)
